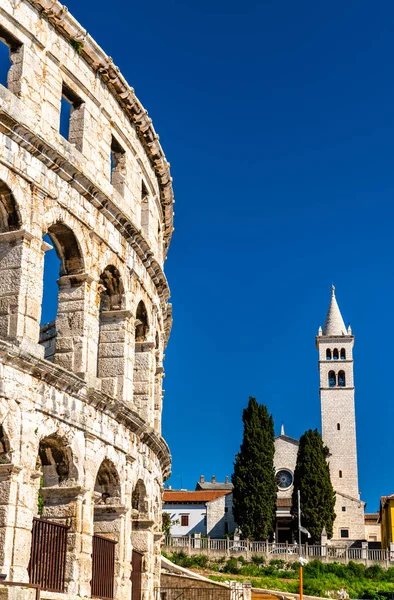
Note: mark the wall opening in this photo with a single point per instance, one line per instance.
(139, 500)
(71, 117)
(328, 354)
(10, 61)
(341, 379)
(343, 354)
(118, 166)
(335, 354)
(332, 379)
(9, 214)
(340, 474)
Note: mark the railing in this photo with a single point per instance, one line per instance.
(226, 547)
(48, 555)
(197, 594)
(103, 568)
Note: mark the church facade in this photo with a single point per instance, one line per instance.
(334, 343)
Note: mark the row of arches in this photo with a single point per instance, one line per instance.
(86, 326)
(335, 354)
(336, 380)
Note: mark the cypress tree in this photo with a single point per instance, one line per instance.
(312, 478)
(255, 487)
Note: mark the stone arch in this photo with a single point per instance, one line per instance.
(343, 354)
(139, 500)
(335, 354)
(328, 354)
(10, 218)
(107, 486)
(111, 289)
(332, 379)
(67, 248)
(141, 323)
(56, 461)
(341, 379)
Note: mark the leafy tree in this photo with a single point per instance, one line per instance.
(255, 487)
(312, 478)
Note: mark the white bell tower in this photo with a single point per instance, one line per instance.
(335, 345)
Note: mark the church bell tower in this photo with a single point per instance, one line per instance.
(335, 346)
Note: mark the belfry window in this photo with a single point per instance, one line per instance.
(332, 381)
(335, 354)
(343, 354)
(341, 379)
(328, 354)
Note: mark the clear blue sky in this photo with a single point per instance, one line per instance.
(278, 120)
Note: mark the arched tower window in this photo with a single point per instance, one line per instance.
(343, 354)
(328, 354)
(341, 379)
(335, 354)
(332, 380)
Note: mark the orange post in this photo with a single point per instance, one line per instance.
(301, 582)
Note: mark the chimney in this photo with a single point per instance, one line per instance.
(213, 480)
(202, 478)
(226, 480)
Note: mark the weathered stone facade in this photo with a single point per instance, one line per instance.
(81, 398)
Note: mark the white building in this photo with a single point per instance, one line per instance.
(203, 511)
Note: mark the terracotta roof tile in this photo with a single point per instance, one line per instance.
(197, 496)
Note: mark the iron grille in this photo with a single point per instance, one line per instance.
(103, 568)
(48, 555)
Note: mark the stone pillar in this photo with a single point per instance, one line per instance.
(364, 550)
(143, 540)
(115, 366)
(158, 395)
(144, 369)
(21, 283)
(17, 508)
(72, 506)
(72, 323)
(323, 542)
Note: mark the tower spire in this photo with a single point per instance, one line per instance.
(334, 324)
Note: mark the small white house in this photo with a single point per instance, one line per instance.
(203, 511)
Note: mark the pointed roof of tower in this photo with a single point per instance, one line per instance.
(334, 324)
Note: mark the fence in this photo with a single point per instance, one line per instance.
(197, 594)
(48, 555)
(226, 547)
(103, 568)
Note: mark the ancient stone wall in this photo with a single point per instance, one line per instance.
(80, 397)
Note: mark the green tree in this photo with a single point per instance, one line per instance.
(312, 478)
(255, 487)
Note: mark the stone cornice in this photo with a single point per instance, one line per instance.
(70, 383)
(101, 63)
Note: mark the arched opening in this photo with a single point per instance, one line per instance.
(111, 354)
(144, 366)
(328, 354)
(107, 485)
(55, 462)
(141, 323)
(341, 379)
(62, 322)
(139, 500)
(332, 379)
(343, 354)
(9, 214)
(5, 448)
(335, 354)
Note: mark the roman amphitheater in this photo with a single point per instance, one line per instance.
(82, 460)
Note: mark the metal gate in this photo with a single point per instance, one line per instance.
(136, 572)
(103, 568)
(48, 555)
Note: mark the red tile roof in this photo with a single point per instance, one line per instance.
(197, 496)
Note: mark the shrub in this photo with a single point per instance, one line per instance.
(231, 566)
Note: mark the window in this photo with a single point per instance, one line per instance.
(340, 474)
(344, 533)
(328, 354)
(335, 354)
(339, 426)
(341, 379)
(118, 165)
(332, 380)
(184, 520)
(343, 354)
(71, 117)
(11, 51)
(343, 508)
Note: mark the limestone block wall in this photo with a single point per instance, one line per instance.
(81, 397)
